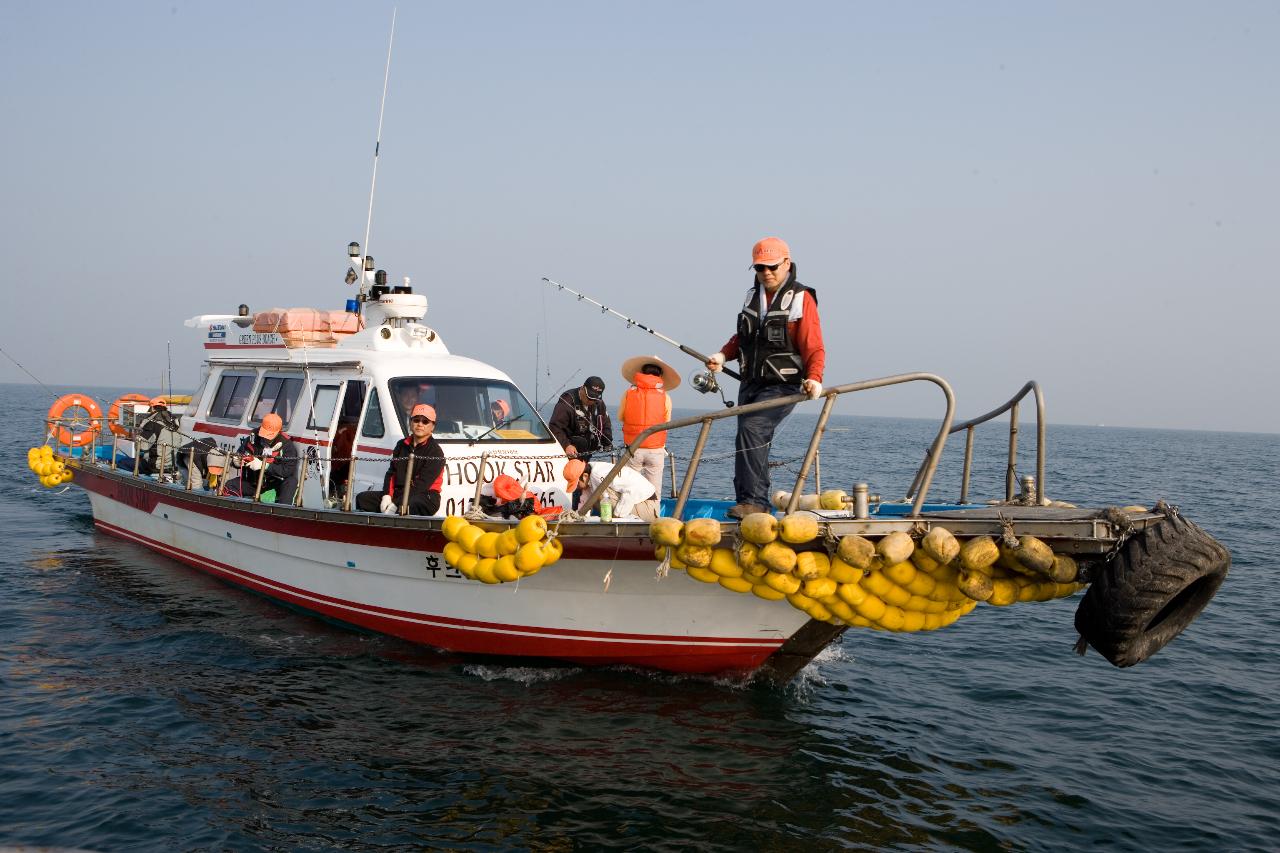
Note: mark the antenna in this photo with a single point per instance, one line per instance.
(368, 225)
(168, 345)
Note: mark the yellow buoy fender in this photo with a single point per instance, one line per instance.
(759, 528)
(978, 554)
(842, 572)
(532, 528)
(811, 564)
(724, 564)
(453, 525)
(856, 551)
(1035, 555)
(798, 528)
(778, 557)
(895, 548)
(666, 531)
(694, 556)
(702, 531)
(940, 545)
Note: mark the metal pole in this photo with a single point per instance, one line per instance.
(1011, 471)
(408, 479)
(114, 438)
(672, 459)
(687, 485)
(262, 472)
(968, 465)
(817, 472)
(484, 457)
(1040, 429)
(191, 469)
(814, 441)
(302, 481)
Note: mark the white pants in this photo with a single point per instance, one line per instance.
(649, 461)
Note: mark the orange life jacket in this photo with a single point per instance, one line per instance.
(646, 406)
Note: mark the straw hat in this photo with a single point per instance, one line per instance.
(670, 377)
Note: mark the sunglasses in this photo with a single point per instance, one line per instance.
(769, 267)
(421, 420)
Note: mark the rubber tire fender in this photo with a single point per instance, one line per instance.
(1156, 586)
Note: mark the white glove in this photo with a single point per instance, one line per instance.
(716, 362)
(813, 388)
(255, 464)
(389, 506)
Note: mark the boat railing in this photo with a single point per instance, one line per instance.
(925, 472)
(923, 477)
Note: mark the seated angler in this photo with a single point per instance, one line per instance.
(420, 481)
(269, 457)
(158, 438)
(632, 495)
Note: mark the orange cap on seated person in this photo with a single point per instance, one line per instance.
(572, 472)
(424, 410)
(770, 250)
(271, 426)
(503, 407)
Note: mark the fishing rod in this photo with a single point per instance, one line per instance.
(630, 322)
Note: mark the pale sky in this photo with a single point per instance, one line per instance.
(1084, 194)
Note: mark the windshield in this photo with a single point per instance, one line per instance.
(467, 409)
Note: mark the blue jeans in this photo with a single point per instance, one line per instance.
(755, 435)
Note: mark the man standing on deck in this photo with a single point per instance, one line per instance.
(423, 483)
(779, 345)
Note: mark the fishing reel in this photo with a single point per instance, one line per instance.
(704, 382)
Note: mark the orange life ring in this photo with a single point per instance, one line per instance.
(113, 413)
(63, 432)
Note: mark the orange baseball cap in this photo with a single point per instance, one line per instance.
(271, 426)
(572, 471)
(159, 401)
(424, 410)
(770, 250)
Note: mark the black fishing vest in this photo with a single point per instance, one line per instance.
(769, 355)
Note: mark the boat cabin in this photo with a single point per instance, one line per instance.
(344, 398)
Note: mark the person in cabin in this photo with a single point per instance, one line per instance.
(423, 483)
(631, 494)
(271, 454)
(643, 405)
(779, 346)
(499, 412)
(580, 421)
(157, 439)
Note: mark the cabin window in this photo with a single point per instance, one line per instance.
(280, 395)
(322, 406)
(232, 399)
(373, 427)
(470, 409)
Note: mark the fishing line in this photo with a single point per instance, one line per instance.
(52, 393)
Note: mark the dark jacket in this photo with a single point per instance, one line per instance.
(279, 457)
(586, 426)
(428, 471)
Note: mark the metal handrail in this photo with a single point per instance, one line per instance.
(927, 470)
(1011, 474)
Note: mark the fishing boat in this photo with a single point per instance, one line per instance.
(693, 592)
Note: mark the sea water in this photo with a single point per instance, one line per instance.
(149, 707)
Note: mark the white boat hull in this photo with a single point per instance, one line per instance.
(387, 575)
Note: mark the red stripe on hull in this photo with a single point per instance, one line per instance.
(673, 654)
